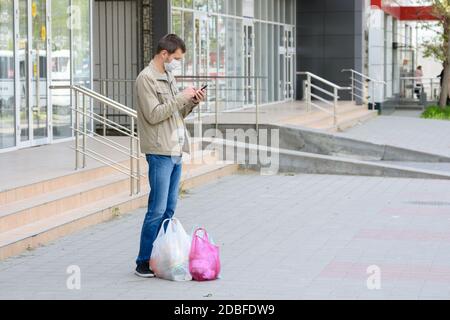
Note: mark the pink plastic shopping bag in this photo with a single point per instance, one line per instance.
(204, 260)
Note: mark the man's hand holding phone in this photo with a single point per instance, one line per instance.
(200, 94)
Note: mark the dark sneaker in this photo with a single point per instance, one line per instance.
(143, 270)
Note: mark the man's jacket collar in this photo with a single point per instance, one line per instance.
(159, 76)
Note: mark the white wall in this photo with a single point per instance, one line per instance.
(388, 34)
(376, 51)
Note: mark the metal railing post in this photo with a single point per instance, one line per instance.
(431, 89)
(308, 92)
(132, 157)
(77, 132)
(216, 90)
(367, 91)
(103, 85)
(257, 106)
(335, 106)
(373, 96)
(200, 125)
(138, 155)
(84, 129)
(353, 85)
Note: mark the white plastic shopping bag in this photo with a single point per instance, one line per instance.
(170, 254)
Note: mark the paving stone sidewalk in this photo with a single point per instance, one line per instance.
(281, 237)
(406, 132)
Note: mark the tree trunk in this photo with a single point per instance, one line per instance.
(446, 75)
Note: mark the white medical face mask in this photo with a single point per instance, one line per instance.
(172, 66)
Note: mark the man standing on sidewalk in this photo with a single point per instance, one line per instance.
(161, 110)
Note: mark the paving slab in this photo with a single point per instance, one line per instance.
(425, 135)
(281, 237)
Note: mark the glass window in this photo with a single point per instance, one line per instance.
(177, 23)
(201, 5)
(81, 44)
(188, 26)
(221, 59)
(213, 5)
(269, 10)
(265, 58)
(22, 51)
(222, 6)
(38, 88)
(177, 28)
(213, 46)
(239, 83)
(238, 5)
(177, 3)
(7, 109)
(276, 10)
(231, 9)
(61, 112)
(230, 62)
(270, 42)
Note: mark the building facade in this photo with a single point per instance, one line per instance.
(391, 48)
(104, 44)
(242, 39)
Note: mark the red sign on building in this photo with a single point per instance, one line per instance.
(414, 13)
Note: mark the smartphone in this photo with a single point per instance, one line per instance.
(204, 86)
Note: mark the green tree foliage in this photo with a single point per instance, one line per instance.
(438, 47)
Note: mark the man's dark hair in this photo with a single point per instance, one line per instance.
(171, 43)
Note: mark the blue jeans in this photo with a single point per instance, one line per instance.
(164, 177)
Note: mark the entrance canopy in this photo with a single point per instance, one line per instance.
(405, 12)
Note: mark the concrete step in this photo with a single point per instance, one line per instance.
(309, 119)
(409, 107)
(327, 143)
(42, 231)
(305, 162)
(344, 120)
(45, 205)
(354, 119)
(71, 179)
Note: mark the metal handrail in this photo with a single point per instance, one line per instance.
(363, 75)
(82, 114)
(334, 94)
(431, 82)
(419, 78)
(355, 88)
(314, 76)
(196, 78)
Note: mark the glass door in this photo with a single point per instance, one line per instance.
(289, 63)
(33, 119)
(249, 64)
(38, 87)
(7, 75)
(22, 54)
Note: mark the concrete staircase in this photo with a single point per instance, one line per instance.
(401, 104)
(348, 115)
(36, 214)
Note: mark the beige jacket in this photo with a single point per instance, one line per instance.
(161, 110)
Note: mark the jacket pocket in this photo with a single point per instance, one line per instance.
(163, 95)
